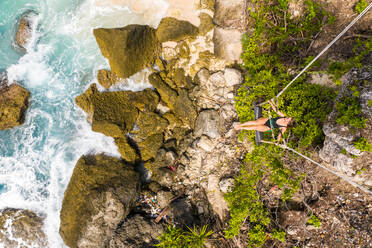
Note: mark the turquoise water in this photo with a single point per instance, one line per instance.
(37, 158)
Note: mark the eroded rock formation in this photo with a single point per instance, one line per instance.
(100, 194)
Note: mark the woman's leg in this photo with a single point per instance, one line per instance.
(258, 122)
(260, 128)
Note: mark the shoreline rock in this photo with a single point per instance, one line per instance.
(26, 27)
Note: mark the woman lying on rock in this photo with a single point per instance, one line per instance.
(264, 124)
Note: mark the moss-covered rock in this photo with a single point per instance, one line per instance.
(21, 228)
(107, 78)
(207, 4)
(129, 49)
(127, 152)
(100, 194)
(150, 146)
(14, 101)
(206, 23)
(167, 94)
(150, 123)
(172, 29)
(114, 113)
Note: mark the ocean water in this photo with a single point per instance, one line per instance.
(37, 158)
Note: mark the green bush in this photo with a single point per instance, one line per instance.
(313, 220)
(360, 6)
(363, 145)
(349, 112)
(175, 237)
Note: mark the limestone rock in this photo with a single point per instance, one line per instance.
(114, 113)
(233, 77)
(206, 144)
(226, 184)
(150, 146)
(206, 23)
(129, 49)
(231, 14)
(136, 231)
(171, 29)
(228, 44)
(14, 101)
(21, 228)
(107, 78)
(150, 123)
(128, 153)
(207, 4)
(208, 123)
(100, 194)
(25, 29)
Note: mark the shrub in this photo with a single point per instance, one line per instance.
(175, 237)
(363, 145)
(360, 6)
(313, 220)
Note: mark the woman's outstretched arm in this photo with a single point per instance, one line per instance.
(281, 133)
(275, 109)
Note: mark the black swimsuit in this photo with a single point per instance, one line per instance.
(273, 122)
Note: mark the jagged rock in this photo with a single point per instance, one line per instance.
(206, 144)
(208, 123)
(100, 194)
(207, 4)
(150, 146)
(164, 177)
(293, 221)
(114, 113)
(127, 152)
(107, 78)
(181, 211)
(21, 228)
(171, 29)
(231, 13)
(179, 103)
(136, 231)
(233, 77)
(206, 23)
(164, 198)
(150, 123)
(14, 101)
(226, 184)
(25, 29)
(339, 147)
(129, 49)
(228, 44)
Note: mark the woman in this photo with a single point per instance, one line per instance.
(264, 124)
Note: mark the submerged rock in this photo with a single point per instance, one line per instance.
(25, 29)
(100, 194)
(129, 49)
(21, 228)
(171, 29)
(14, 101)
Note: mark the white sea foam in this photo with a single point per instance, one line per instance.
(37, 158)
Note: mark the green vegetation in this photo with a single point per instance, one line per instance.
(360, 50)
(360, 6)
(363, 145)
(349, 111)
(244, 200)
(343, 151)
(369, 103)
(175, 237)
(313, 220)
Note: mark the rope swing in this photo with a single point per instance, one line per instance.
(284, 146)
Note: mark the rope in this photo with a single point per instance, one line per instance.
(324, 50)
(322, 166)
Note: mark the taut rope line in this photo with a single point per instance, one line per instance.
(323, 51)
(322, 166)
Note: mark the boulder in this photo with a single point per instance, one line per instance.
(129, 49)
(107, 78)
(233, 77)
(126, 150)
(228, 44)
(136, 231)
(25, 29)
(14, 101)
(150, 123)
(207, 4)
(100, 194)
(172, 29)
(208, 123)
(114, 113)
(21, 228)
(232, 14)
(150, 146)
(206, 23)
